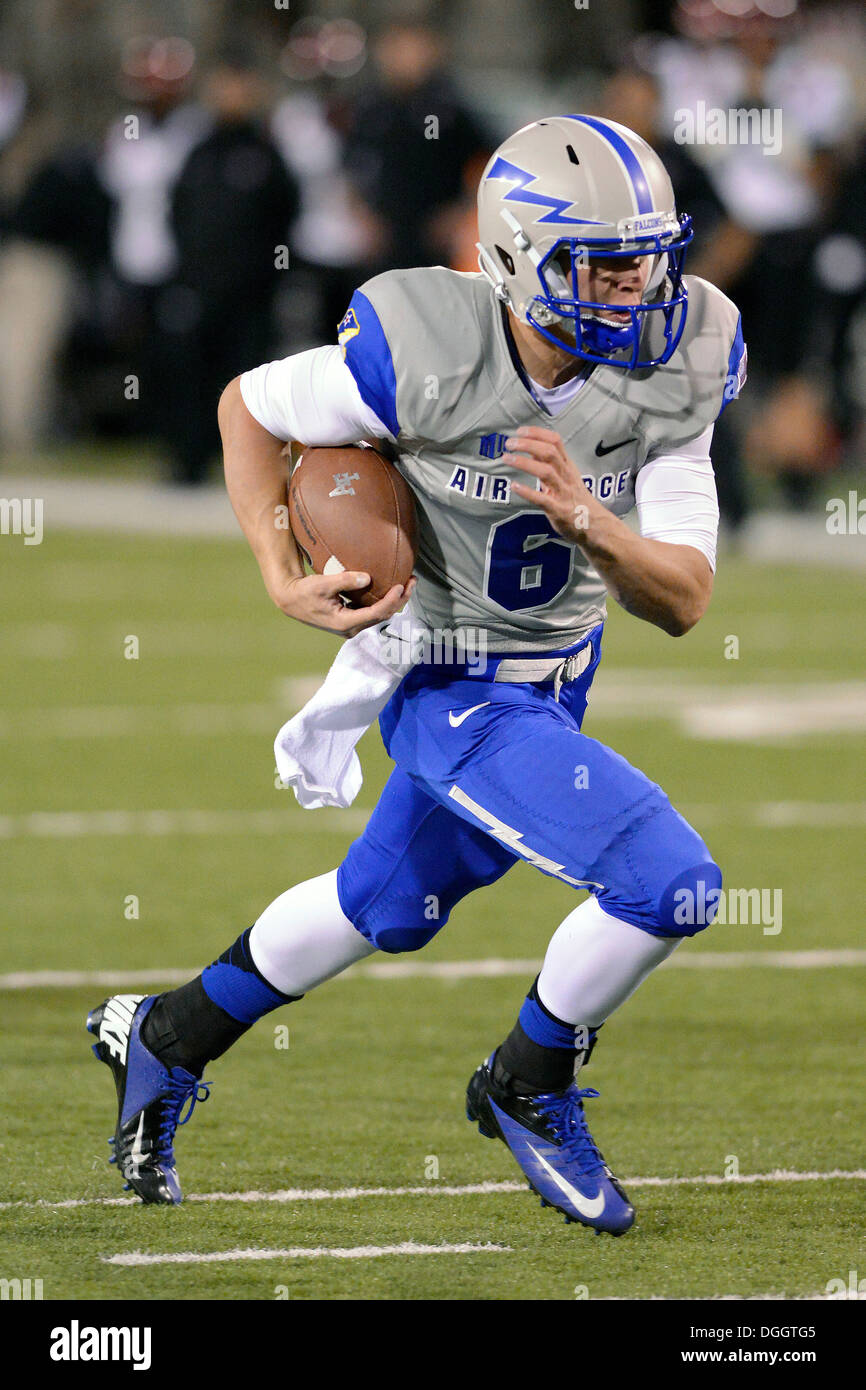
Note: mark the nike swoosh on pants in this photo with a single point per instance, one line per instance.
(456, 721)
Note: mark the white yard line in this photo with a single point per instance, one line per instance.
(288, 819)
(318, 1252)
(285, 819)
(443, 970)
(762, 712)
(766, 713)
(206, 719)
(149, 507)
(102, 979)
(287, 1196)
(128, 506)
(690, 960)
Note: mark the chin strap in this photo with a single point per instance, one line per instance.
(491, 272)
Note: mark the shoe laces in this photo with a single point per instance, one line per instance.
(178, 1092)
(563, 1114)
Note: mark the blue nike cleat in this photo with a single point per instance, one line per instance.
(150, 1097)
(548, 1135)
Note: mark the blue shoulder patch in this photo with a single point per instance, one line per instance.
(368, 357)
(737, 362)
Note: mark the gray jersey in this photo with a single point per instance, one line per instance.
(431, 355)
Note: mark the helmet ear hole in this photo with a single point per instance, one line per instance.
(505, 259)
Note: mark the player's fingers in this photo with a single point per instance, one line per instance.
(369, 618)
(539, 499)
(539, 432)
(549, 438)
(385, 607)
(545, 452)
(349, 621)
(545, 471)
(528, 444)
(346, 621)
(342, 581)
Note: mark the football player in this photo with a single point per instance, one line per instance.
(531, 406)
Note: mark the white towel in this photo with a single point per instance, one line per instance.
(315, 750)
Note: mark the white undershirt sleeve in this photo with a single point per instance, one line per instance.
(675, 493)
(311, 397)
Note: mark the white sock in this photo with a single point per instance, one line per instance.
(304, 937)
(594, 962)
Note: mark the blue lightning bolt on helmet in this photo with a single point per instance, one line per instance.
(561, 192)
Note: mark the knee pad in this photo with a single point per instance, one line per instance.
(690, 901)
(393, 940)
(392, 921)
(394, 929)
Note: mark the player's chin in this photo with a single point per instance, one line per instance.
(564, 335)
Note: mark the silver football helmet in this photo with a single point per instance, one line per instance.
(562, 191)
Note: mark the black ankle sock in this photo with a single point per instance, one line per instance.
(185, 1028)
(525, 1066)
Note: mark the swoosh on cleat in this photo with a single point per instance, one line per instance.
(137, 1155)
(587, 1206)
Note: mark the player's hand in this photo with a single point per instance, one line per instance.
(564, 496)
(315, 599)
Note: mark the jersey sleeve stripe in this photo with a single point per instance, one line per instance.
(736, 377)
(368, 357)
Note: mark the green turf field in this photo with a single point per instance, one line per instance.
(745, 1067)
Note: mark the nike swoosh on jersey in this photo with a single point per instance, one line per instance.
(589, 1206)
(601, 448)
(456, 721)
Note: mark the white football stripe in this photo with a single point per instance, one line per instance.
(752, 713)
(444, 969)
(142, 506)
(477, 1189)
(288, 819)
(682, 959)
(319, 1252)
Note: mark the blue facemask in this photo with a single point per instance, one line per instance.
(594, 340)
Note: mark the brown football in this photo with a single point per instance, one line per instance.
(349, 509)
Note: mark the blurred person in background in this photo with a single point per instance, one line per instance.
(460, 227)
(840, 271)
(410, 141)
(143, 154)
(752, 60)
(14, 98)
(53, 236)
(331, 237)
(721, 249)
(232, 205)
